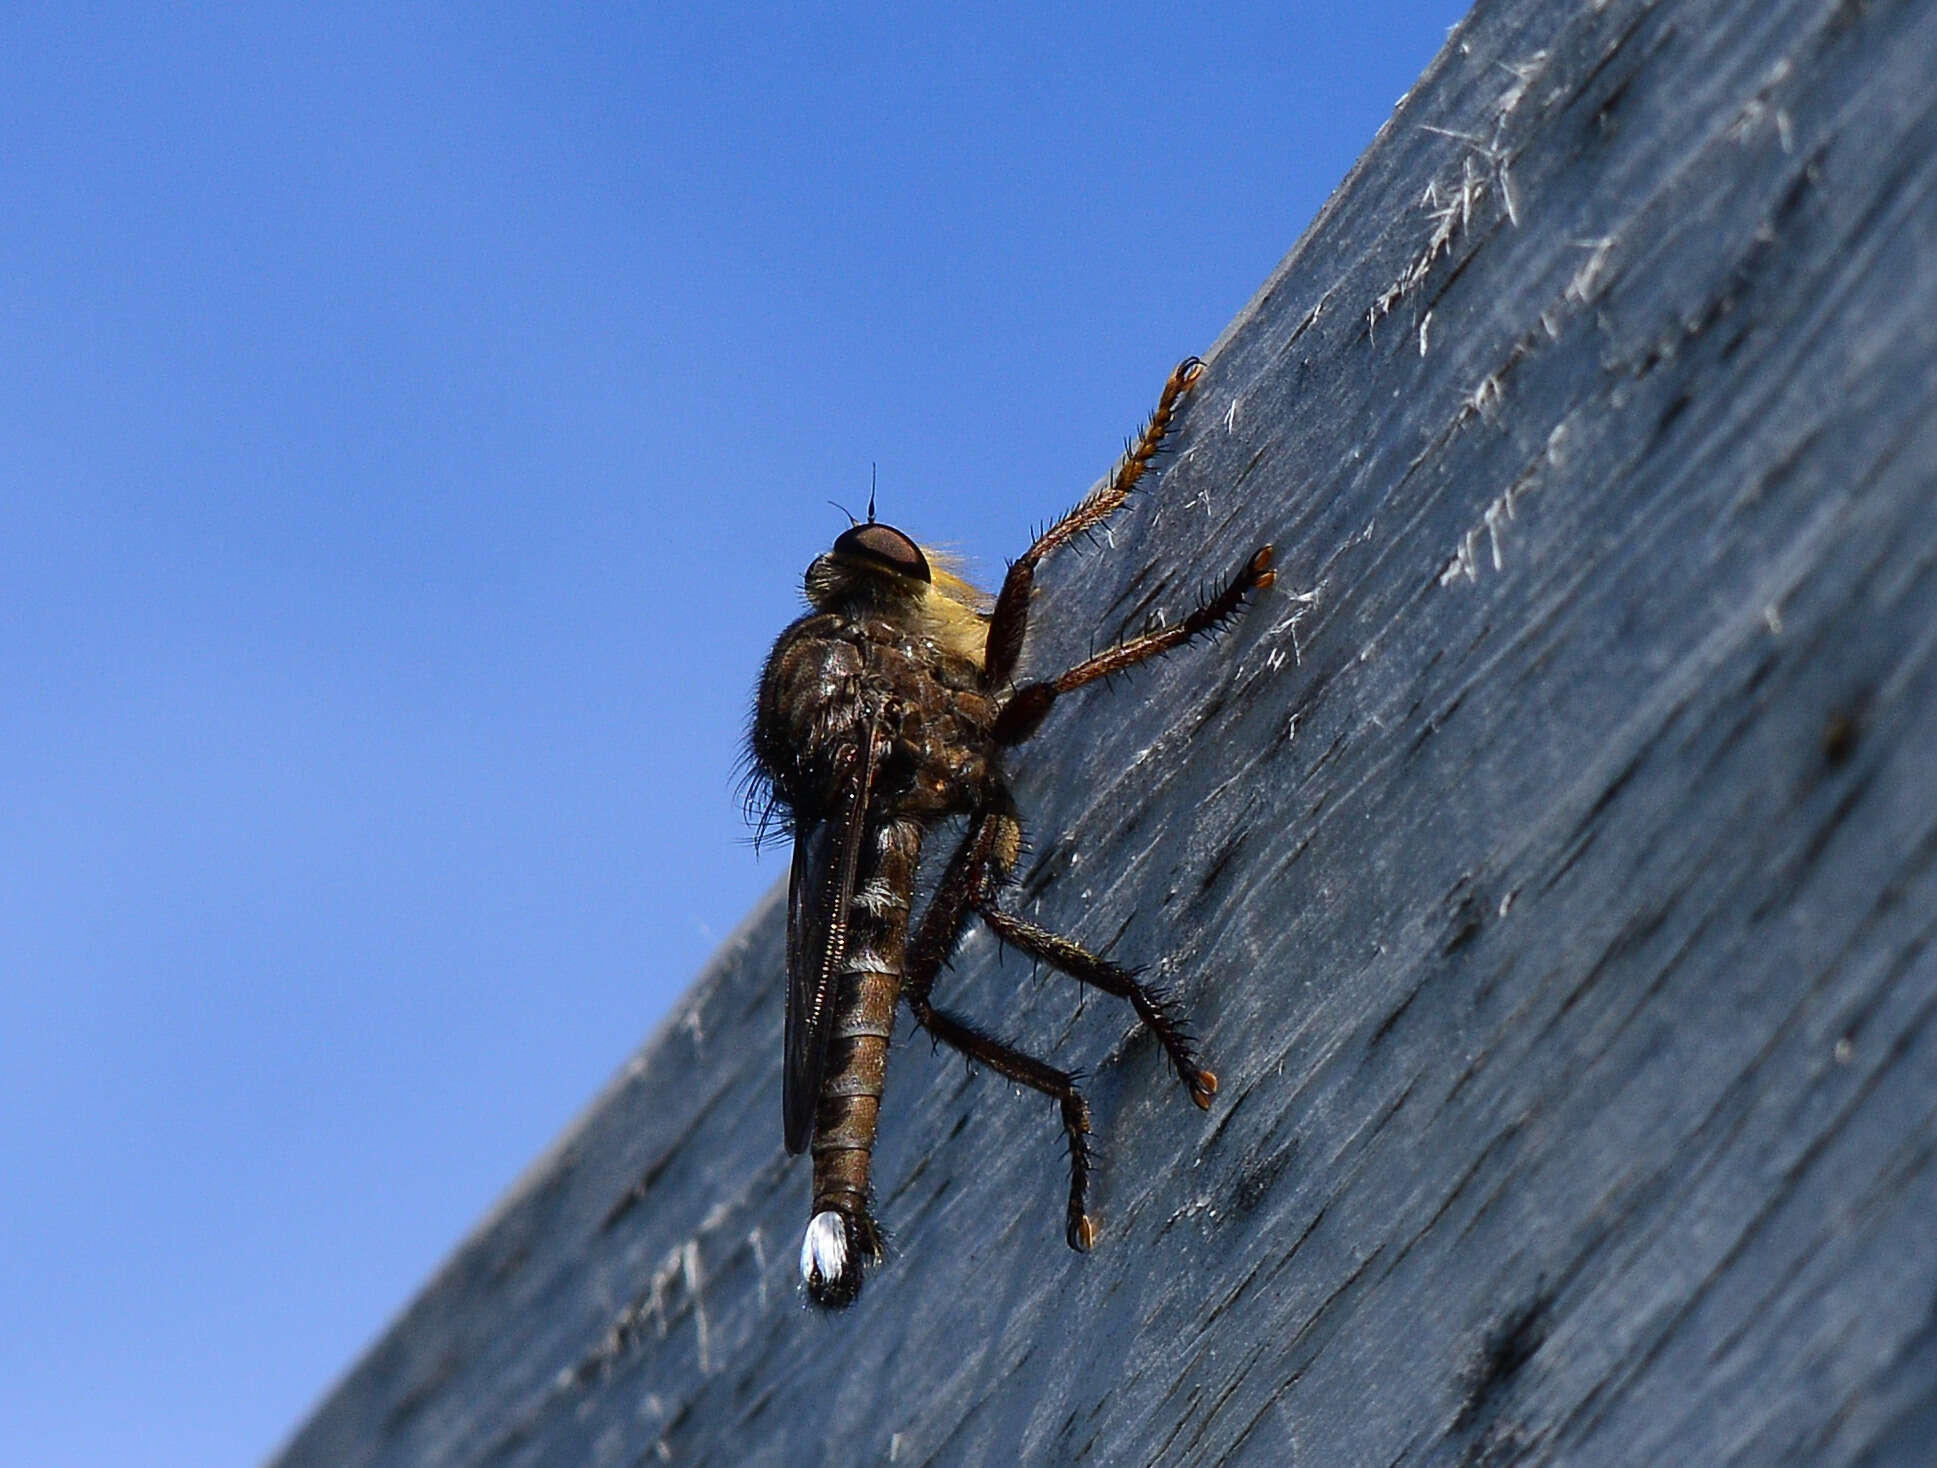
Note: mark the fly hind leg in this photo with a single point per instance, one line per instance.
(968, 886)
(1153, 1007)
(984, 857)
(1037, 1075)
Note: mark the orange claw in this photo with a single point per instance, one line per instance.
(1203, 1086)
(1261, 573)
(1082, 1234)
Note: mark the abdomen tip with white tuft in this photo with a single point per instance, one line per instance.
(830, 1261)
(823, 1252)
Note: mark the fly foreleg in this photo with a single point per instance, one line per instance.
(1011, 616)
(1030, 704)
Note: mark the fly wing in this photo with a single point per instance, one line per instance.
(820, 897)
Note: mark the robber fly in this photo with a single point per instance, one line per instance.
(883, 711)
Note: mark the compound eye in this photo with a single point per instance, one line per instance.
(883, 545)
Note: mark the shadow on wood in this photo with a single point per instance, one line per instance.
(1547, 867)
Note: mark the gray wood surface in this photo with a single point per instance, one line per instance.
(1547, 866)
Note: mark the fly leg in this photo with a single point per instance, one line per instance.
(974, 876)
(985, 855)
(1011, 616)
(1153, 1007)
(1023, 714)
(1026, 1070)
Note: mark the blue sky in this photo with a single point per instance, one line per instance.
(413, 425)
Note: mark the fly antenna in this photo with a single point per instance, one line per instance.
(874, 473)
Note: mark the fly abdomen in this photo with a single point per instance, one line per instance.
(842, 1235)
(850, 1099)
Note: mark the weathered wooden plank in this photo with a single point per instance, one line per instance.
(1550, 868)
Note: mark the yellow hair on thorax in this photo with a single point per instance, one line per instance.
(957, 611)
